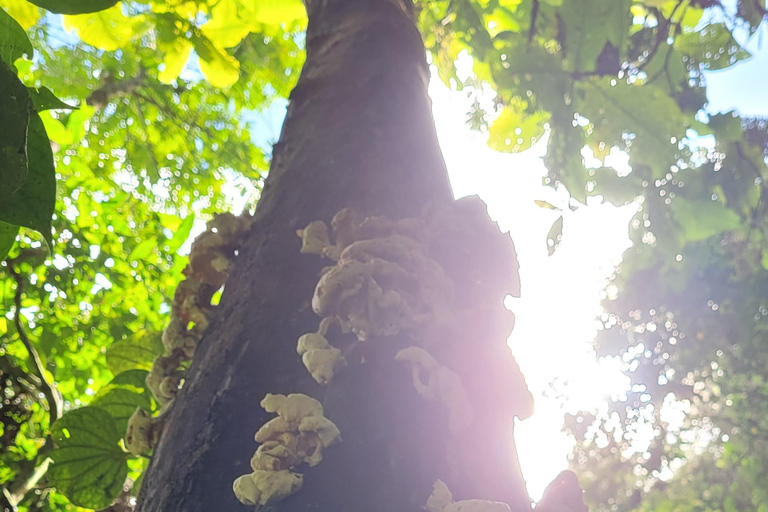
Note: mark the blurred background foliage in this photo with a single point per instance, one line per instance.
(169, 97)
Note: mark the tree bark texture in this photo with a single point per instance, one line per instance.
(359, 132)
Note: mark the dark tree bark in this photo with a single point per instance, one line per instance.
(359, 132)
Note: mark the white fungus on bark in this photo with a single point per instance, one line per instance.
(264, 487)
(441, 500)
(298, 435)
(320, 358)
(314, 238)
(210, 258)
(292, 408)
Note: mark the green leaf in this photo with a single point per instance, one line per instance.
(22, 11)
(618, 190)
(176, 56)
(617, 108)
(13, 40)
(220, 68)
(89, 467)
(667, 61)
(44, 99)
(273, 12)
(136, 352)
(108, 30)
(515, 129)
(8, 234)
(181, 234)
(77, 121)
(726, 127)
(142, 249)
(545, 205)
(713, 47)
(16, 107)
(121, 397)
(121, 403)
(589, 25)
(32, 204)
(555, 236)
(702, 219)
(56, 130)
(74, 6)
(135, 380)
(226, 27)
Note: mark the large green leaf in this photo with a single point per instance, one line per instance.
(16, 107)
(616, 189)
(227, 25)
(136, 352)
(515, 129)
(22, 11)
(134, 380)
(44, 99)
(121, 403)
(713, 47)
(32, 204)
(220, 68)
(121, 397)
(108, 29)
(651, 116)
(278, 11)
(13, 40)
(589, 25)
(8, 234)
(176, 55)
(89, 467)
(703, 219)
(74, 6)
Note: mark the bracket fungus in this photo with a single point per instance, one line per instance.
(299, 434)
(441, 500)
(165, 376)
(210, 258)
(383, 281)
(441, 385)
(263, 487)
(320, 358)
(314, 238)
(142, 432)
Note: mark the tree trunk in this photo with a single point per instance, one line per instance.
(359, 132)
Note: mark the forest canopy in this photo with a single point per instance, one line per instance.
(128, 125)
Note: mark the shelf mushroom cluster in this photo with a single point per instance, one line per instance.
(298, 434)
(389, 277)
(210, 259)
(383, 280)
(441, 500)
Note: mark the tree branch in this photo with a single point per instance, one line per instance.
(534, 17)
(101, 97)
(52, 396)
